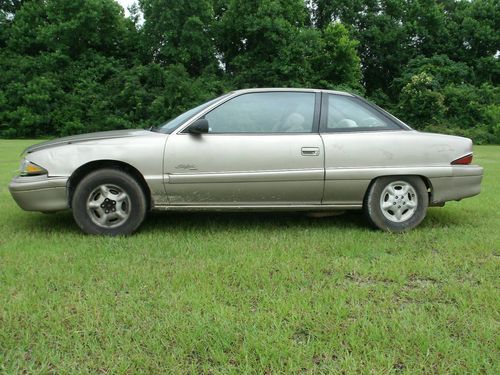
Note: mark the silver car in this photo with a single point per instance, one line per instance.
(307, 150)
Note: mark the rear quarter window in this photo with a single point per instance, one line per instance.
(350, 114)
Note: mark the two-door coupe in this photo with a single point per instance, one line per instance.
(258, 149)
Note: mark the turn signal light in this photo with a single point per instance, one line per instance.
(28, 168)
(464, 160)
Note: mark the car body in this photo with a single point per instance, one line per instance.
(257, 149)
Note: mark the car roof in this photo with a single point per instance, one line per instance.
(288, 89)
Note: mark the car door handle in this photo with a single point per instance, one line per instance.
(310, 151)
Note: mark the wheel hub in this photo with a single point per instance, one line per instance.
(398, 201)
(108, 206)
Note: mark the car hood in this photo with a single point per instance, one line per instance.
(85, 138)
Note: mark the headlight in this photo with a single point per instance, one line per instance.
(28, 168)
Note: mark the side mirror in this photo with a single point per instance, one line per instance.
(200, 126)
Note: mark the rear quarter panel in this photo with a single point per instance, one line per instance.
(353, 160)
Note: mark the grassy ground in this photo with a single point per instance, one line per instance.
(254, 293)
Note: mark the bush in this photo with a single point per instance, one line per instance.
(420, 103)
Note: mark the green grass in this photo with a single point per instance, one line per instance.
(253, 293)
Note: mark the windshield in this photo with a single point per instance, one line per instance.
(169, 126)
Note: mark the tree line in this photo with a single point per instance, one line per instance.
(76, 66)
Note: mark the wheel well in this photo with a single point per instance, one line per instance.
(426, 181)
(92, 166)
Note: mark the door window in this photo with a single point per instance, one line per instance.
(269, 112)
(351, 114)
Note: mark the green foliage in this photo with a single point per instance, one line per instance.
(473, 112)
(258, 40)
(71, 27)
(443, 70)
(179, 32)
(150, 94)
(420, 102)
(437, 95)
(393, 32)
(77, 66)
(73, 67)
(336, 62)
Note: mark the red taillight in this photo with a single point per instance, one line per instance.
(464, 160)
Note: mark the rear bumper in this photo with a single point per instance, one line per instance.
(40, 193)
(464, 182)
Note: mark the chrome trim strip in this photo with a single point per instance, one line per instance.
(247, 176)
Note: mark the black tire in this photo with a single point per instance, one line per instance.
(397, 220)
(134, 207)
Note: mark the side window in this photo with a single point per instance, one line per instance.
(351, 114)
(267, 112)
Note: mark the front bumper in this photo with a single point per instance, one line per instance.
(464, 182)
(40, 193)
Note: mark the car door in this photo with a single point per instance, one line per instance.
(262, 148)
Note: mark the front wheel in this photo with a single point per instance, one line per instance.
(396, 204)
(109, 201)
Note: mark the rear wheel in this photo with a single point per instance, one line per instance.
(109, 201)
(397, 204)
